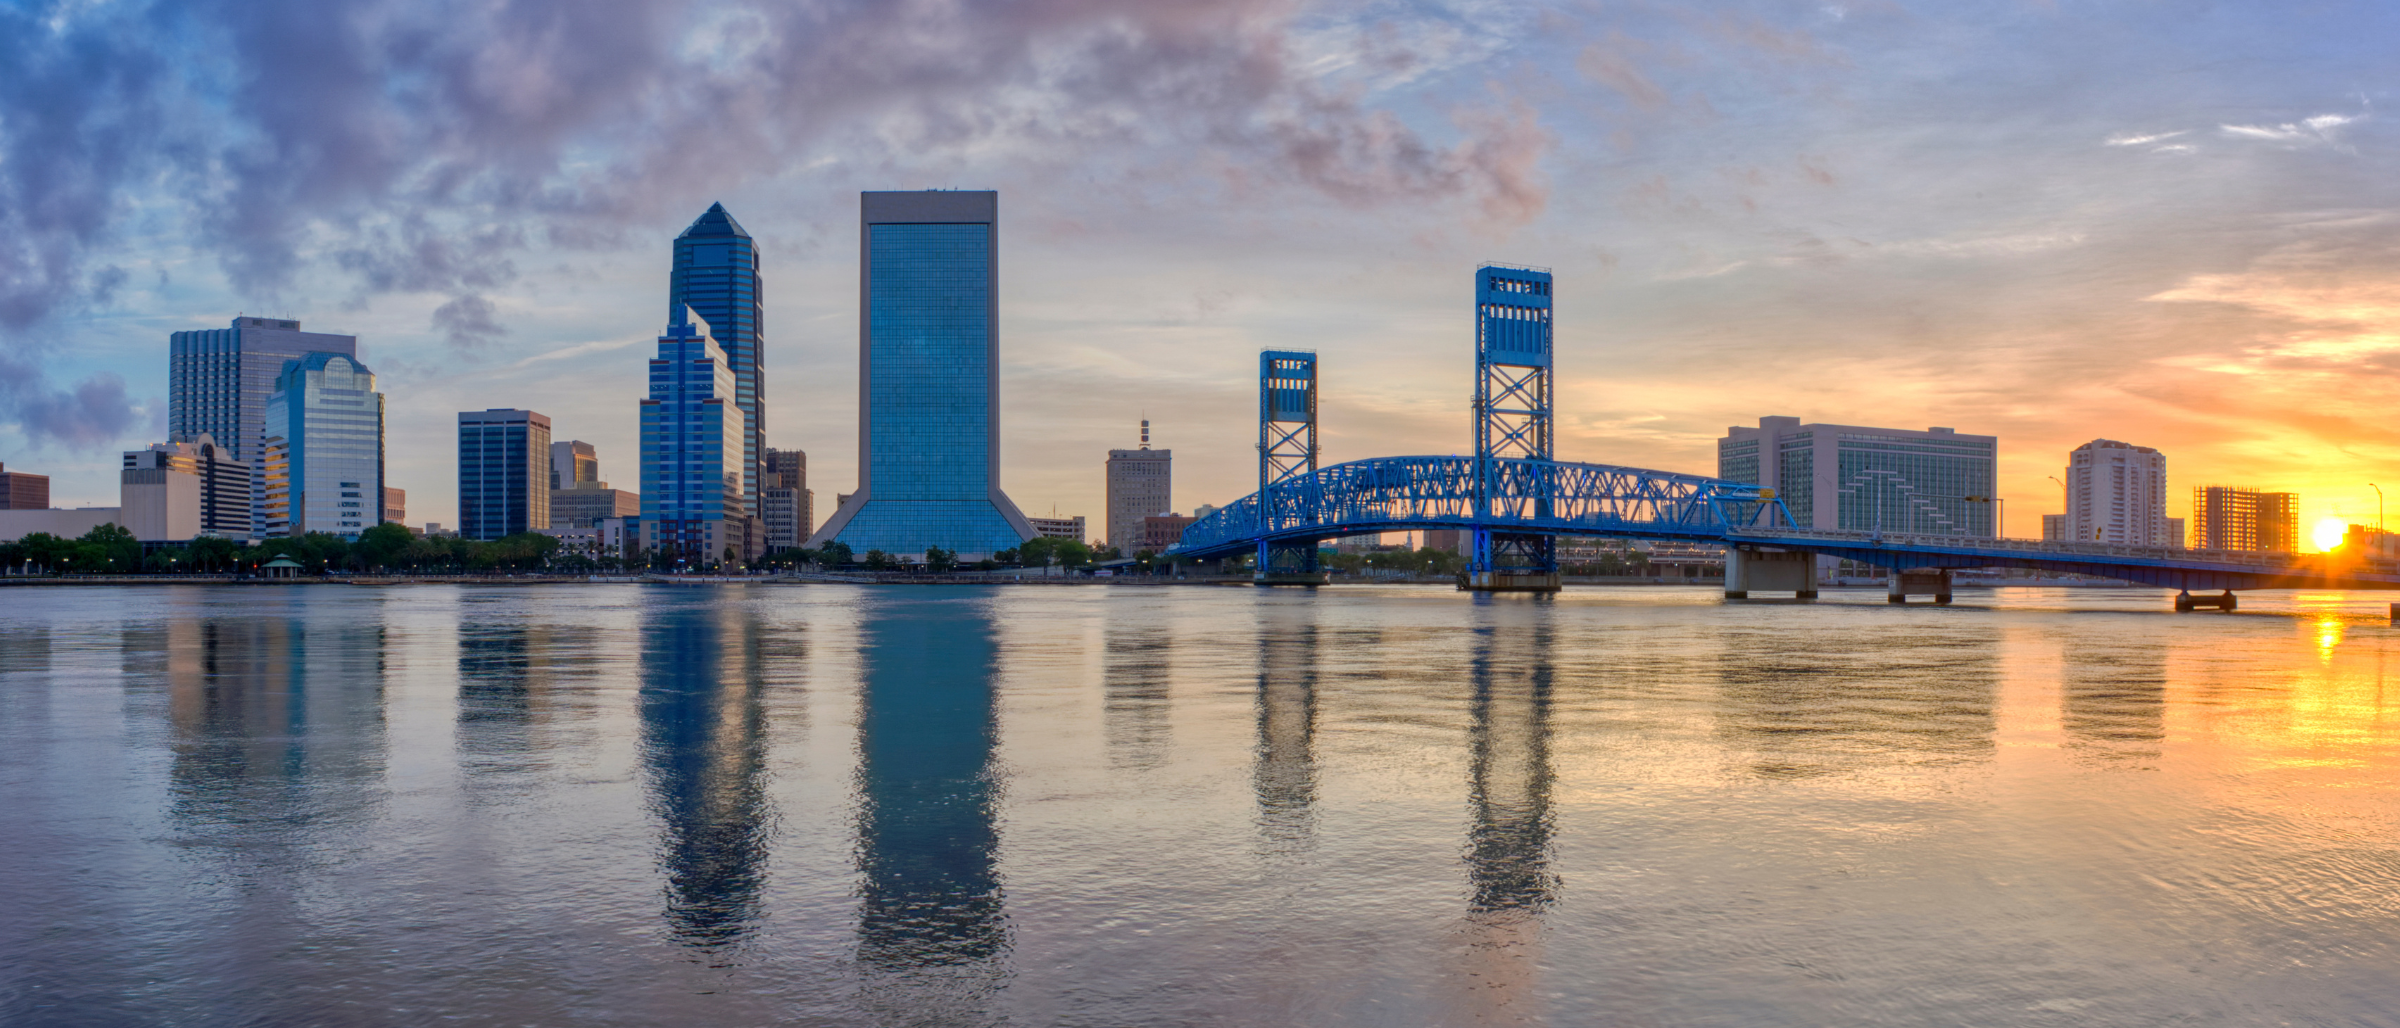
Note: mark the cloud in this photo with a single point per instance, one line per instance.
(2133, 139)
(468, 322)
(2317, 131)
(93, 413)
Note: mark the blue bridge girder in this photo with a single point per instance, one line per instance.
(1391, 494)
(1535, 497)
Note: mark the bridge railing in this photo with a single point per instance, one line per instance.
(1558, 497)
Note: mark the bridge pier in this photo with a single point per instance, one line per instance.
(1918, 582)
(1770, 570)
(2185, 602)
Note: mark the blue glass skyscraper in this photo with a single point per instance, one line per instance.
(693, 505)
(716, 275)
(324, 448)
(929, 386)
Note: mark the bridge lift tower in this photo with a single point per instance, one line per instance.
(1287, 449)
(1512, 420)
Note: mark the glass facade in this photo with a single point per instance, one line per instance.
(691, 440)
(1915, 485)
(927, 417)
(503, 473)
(219, 380)
(716, 276)
(324, 448)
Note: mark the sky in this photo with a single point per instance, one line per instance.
(2170, 223)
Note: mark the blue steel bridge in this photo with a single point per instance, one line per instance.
(1513, 499)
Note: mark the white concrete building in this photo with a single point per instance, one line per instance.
(1058, 528)
(2117, 493)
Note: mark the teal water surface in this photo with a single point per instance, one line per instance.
(839, 805)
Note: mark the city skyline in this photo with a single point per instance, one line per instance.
(1861, 218)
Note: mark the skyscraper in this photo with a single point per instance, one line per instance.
(503, 473)
(2117, 493)
(929, 388)
(218, 382)
(693, 506)
(716, 275)
(324, 448)
(1141, 483)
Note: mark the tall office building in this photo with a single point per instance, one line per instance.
(1852, 479)
(2229, 518)
(22, 491)
(572, 461)
(218, 383)
(785, 505)
(929, 384)
(716, 275)
(2117, 493)
(395, 505)
(323, 448)
(693, 506)
(1141, 483)
(503, 473)
(159, 484)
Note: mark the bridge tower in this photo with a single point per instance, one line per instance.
(1512, 421)
(1287, 450)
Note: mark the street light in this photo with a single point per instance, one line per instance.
(2378, 505)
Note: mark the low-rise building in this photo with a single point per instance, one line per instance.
(1058, 528)
(21, 491)
(65, 523)
(395, 505)
(1160, 531)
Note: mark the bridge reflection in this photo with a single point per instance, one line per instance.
(1285, 772)
(1508, 851)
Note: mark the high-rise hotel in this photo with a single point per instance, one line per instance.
(929, 385)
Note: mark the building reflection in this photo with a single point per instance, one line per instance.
(1508, 852)
(1860, 700)
(2113, 704)
(928, 838)
(1134, 719)
(279, 740)
(1285, 773)
(703, 753)
(500, 693)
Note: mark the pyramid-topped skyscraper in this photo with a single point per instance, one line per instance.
(716, 277)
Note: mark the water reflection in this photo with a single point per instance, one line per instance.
(1285, 772)
(278, 726)
(1845, 702)
(931, 901)
(1139, 650)
(1508, 852)
(703, 743)
(2114, 706)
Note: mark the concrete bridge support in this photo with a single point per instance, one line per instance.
(1770, 570)
(2185, 602)
(1919, 582)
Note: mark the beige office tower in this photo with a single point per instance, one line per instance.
(1141, 483)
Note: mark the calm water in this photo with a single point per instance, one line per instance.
(830, 805)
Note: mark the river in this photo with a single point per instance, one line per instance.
(1111, 806)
